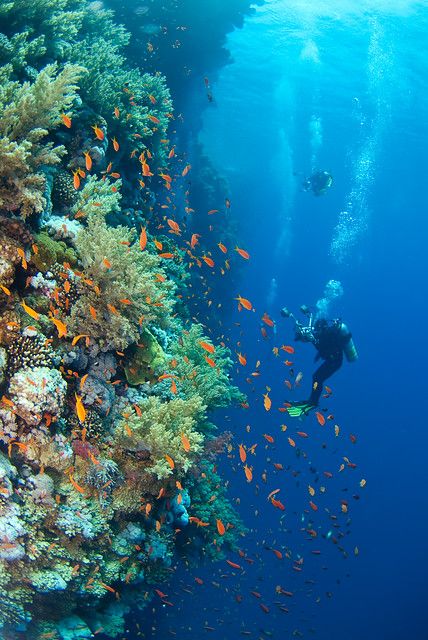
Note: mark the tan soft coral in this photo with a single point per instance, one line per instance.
(123, 291)
(162, 426)
(29, 113)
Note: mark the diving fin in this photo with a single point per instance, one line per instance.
(299, 409)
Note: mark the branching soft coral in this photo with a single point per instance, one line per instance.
(29, 113)
(160, 426)
(196, 373)
(38, 31)
(34, 33)
(123, 294)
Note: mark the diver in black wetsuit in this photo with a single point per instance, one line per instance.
(319, 183)
(331, 340)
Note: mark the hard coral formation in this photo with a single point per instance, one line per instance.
(14, 238)
(51, 252)
(106, 387)
(37, 391)
(27, 352)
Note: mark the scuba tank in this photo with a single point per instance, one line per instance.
(349, 348)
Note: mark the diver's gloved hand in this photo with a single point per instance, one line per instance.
(301, 408)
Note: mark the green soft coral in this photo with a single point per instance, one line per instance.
(197, 375)
(30, 111)
(38, 31)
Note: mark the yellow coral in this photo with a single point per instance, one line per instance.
(160, 426)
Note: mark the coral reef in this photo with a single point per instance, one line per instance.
(106, 448)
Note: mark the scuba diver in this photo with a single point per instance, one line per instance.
(331, 340)
(319, 183)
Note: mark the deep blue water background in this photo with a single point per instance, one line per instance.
(361, 70)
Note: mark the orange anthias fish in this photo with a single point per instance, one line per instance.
(116, 145)
(220, 527)
(174, 226)
(76, 180)
(186, 170)
(170, 461)
(185, 442)
(143, 239)
(242, 453)
(242, 359)
(320, 418)
(244, 303)
(287, 348)
(267, 320)
(99, 133)
(277, 504)
(243, 253)
(208, 261)
(88, 160)
(222, 248)
(75, 485)
(33, 314)
(267, 402)
(61, 327)
(248, 473)
(268, 438)
(80, 409)
(66, 120)
(77, 338)
(194, 240)
(208, 347)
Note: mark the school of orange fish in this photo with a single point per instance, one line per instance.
(275, 451)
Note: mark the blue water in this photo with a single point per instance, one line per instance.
(340, 86)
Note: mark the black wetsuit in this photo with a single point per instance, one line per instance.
(330, 341)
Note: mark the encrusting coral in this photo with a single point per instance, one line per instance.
(105, 385)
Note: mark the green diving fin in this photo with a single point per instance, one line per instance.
(299, 409)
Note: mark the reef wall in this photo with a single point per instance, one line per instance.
(106, 447)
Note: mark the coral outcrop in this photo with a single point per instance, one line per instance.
(106, 385)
